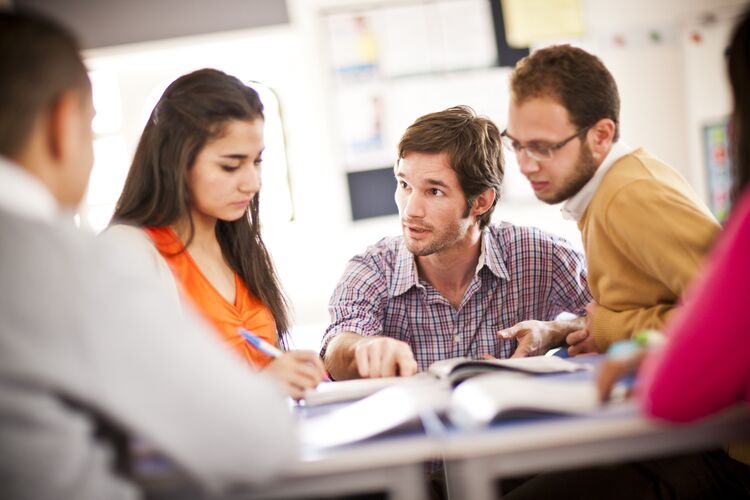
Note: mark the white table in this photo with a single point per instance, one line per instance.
(392, 465)
(475, 461)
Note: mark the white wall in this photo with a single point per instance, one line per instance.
(311, 251)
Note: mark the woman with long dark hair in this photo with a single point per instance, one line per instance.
(192, 193)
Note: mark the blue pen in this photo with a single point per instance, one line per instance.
(260, 344)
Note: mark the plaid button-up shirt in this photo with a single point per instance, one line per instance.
(523, 273)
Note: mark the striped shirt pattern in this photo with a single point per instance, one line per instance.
(523, 273)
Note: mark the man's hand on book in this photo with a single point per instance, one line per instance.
(537, 337)
(384, 357)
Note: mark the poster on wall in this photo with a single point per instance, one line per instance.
(390, 64)
(718, 166)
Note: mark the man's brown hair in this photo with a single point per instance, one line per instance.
(573, 77)
(39, 61)
(473, 146)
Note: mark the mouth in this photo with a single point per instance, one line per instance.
(241, 204)
(538, 185)
(416, 232)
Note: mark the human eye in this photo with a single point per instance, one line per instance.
(403, 184)
(540, 150)
(230, 168)
(515, 145)
(258, 161)
(436, 192)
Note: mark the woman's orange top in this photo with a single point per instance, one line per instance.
(246, 311)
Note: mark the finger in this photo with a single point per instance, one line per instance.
(604, 388)
(404, 361)
(574, 350)
(488, 356)
(521, 351)
(307, 375)
(587, 346)
(388, 363)
(312, 358)
(361, 356)
(605, 380)
(374, 358)
(577, 337)
(407, 365)
(295, 391)
(511, 332)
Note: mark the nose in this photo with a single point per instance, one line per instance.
(413, 206)
(527, 164)
(250, 180)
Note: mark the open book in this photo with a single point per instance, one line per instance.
(419, 404)
(478, 401)
(415, 402)
(456, 370)
(451, 371)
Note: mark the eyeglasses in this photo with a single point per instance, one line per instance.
(539, 151)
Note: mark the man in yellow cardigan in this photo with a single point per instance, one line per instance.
(645, 233)
(644, 229)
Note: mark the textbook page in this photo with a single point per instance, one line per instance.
(478, 401)
(459, 369)
(349, 390)
(383, 411)
(453, 370)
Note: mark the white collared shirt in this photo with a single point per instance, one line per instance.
(23, 194)
(574, 207)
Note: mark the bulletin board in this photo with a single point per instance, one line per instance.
(392, 63)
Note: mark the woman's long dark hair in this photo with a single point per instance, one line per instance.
(739, 77)
(193, 110)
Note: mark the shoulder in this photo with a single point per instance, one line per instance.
(133, 240)
(640, 176)
(378, 267)
(125, 233)
(123, 241)
(381, 255)
(511, 238)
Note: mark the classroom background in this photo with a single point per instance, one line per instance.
(342, 79)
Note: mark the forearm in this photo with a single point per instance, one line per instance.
(339, 359)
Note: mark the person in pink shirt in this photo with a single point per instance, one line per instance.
(705, 364)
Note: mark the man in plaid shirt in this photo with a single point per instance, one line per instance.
(453, 284)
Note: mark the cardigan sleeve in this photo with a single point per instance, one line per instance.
(664, 235)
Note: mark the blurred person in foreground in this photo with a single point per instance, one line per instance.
(92, 352)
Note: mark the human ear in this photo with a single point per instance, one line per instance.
(484, 201)
(600, 137)
(64, 124)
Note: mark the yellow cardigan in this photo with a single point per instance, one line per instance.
(645, 233)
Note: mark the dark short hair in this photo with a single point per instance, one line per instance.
(573, 77)
(473, 146)
(39, 61)
(739, 78)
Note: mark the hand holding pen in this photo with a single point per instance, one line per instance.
(296, 370)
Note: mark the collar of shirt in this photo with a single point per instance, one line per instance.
(575, 206)
(23, 194)
(406, 274)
